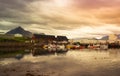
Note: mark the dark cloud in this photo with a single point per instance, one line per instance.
(18, 5)
(16, 11)
(14, 8)
(28, 22)
(7, 27)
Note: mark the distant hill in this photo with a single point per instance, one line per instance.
(85, 38)
(19, 30)
(118, 36)
(105, 38)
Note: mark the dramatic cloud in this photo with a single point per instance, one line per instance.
(73, 18)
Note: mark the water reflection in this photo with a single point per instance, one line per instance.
(40, 51)
(114, 53)
(83, 54)
(62, 62)
(90, 58)
(19, 53)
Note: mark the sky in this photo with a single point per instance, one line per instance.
(72, 18)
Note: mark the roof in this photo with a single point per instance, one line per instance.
(44, 36)
(62, 38)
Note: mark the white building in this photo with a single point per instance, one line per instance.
(85, 40)
(18, 35)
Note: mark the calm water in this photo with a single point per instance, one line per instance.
(72, 63)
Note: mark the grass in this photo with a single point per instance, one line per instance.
(15, 39)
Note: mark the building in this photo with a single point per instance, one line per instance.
(38, 38)
(62, 39)
(18, 35)
(85, 40)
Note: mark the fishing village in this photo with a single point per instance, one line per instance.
(21, 48)
(17, 37)
(20, 39)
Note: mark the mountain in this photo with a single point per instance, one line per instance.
(118, 36)
(105, 38)
(111, 37)
(85, 38)
(19, 30)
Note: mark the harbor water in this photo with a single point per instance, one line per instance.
(82, 62)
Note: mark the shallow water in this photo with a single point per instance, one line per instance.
(72, 63)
